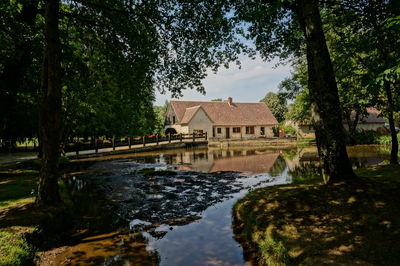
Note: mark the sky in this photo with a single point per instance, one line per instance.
(249, 84)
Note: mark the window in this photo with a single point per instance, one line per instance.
(249, 130)
(219, 130)
(262, 131)
(173, 120)
(236, 130)
(213, 131)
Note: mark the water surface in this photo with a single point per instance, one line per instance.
(182, 216)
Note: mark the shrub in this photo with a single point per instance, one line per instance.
(367, 137)
(289, 130)
(373, 137)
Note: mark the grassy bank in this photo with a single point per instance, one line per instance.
(19, 216)
(355, 222)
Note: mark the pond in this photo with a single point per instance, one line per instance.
(174, 207)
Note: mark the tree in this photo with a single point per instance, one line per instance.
(155, 39)
(160, 117)
(277, 105)
(279, 28)
(300, 110)
(362, 30)
(50, 108)
(19, 51)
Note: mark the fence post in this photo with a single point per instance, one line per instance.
(194, 137)
(169, 137)
(157, 140)
(205, 137)
(96, 147)
(113, 143)
(144, 141)
(129, 142)
(180, 136)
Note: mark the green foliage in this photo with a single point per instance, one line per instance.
(300, 109)
(217, 100)
(114, 55)
(367, 137)
(372, 137)
(20, 59)
(277, 104)
(288, 129)
(160, 117)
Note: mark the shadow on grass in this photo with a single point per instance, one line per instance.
(355, 222)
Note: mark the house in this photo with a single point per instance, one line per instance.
(370, 122)
(221, 120)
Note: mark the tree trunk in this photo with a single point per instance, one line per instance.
(50, 108)
(352, 124)
(326, 111)
(395, 142)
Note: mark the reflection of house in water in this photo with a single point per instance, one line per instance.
(224, 160)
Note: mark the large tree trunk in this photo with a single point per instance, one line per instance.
(50, 108)
(395, 142)
(326, 113)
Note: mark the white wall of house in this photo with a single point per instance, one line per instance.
(366, 126)
(242, 133)
(200, 122)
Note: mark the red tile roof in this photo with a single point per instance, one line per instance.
(190, 112)
(374, 116)
(224, 114)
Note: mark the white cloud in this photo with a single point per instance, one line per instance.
(248, 84)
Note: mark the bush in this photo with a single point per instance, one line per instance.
(367, 137)
(373, 137)
(289, 130)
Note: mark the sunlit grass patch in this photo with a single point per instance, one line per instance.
(14, 249)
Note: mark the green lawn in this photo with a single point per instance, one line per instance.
(19, 215)
(352, 222)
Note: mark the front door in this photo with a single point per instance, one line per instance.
(227, 133)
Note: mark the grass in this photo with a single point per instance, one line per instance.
(305, 140)
(353, 222)
(14, 249)
(19, 217)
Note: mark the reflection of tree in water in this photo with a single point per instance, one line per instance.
(278, 167)
(305, 172)
(116, 248)
(365, 162)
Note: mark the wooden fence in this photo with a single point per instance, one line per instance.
(97, 144)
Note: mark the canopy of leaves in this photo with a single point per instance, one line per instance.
(115, 54)
(277, 104)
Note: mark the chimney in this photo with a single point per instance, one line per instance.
(230, 100)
